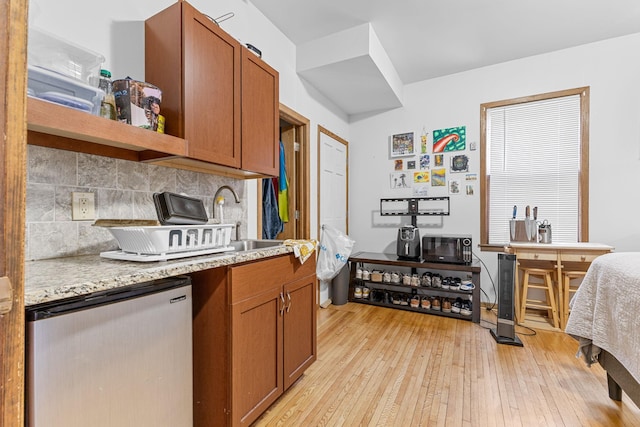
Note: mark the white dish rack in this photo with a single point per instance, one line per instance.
(163, 242)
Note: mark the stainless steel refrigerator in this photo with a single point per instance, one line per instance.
(119, 358)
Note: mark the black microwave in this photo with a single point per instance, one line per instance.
(451, 249)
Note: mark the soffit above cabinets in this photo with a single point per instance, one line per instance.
(352, 70)
(430, 39)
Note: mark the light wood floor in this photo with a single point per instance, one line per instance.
(384, 367)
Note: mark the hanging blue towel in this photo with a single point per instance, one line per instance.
(271, 223)
(283, 188)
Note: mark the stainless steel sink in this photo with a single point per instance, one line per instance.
(253, 244)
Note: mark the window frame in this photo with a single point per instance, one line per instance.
(583, 180)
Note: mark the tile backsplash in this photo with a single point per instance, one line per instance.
(123, 190)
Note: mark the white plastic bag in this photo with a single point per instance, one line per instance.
(333, 252)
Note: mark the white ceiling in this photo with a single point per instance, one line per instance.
(424, 39)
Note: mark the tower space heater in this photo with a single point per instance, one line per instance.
(504, 332)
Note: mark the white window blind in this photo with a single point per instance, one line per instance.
(534, 159)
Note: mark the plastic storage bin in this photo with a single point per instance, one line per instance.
(53, 53)
(63, 90)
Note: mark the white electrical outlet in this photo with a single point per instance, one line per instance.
(83, 206)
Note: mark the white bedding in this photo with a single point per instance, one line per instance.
(605, 311)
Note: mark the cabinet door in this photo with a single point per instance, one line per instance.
(197, 66)
(260, 116)
(299, 328)
(256, 355)
(211, 90)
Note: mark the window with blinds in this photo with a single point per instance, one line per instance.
(533, 157)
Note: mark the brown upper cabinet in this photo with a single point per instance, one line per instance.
(260, 116)
(216, 94)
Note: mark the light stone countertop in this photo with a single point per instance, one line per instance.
(55, 279)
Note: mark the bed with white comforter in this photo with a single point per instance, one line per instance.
(605, 319)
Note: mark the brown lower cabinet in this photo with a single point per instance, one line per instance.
(254, 334)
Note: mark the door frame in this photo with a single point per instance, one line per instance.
(13, 152)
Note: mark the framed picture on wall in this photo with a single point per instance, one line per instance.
(402, 144)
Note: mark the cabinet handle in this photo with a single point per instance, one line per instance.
(289, 301)
(281, 304)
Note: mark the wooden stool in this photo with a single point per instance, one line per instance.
(550, 303)
(567, 290)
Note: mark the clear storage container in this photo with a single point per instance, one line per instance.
(55, 87)
(56, 54)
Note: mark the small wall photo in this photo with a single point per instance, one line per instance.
(399, 180)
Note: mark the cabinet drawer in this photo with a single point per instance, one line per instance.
(580, 256)
(254, 278)
(537, 255)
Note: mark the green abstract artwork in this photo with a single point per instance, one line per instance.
(451, 139)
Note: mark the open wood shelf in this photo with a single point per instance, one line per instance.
(47, 118)
(399, 287)
(409, 308)
(56, 126)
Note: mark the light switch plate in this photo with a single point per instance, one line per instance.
(83, 206)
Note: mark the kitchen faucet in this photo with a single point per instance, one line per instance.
(219, 200)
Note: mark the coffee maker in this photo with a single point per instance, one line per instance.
(408, 243)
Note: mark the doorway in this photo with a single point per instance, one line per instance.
(294, 134)
(333, 191)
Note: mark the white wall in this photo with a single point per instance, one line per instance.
(116, 30)
(612, 70)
